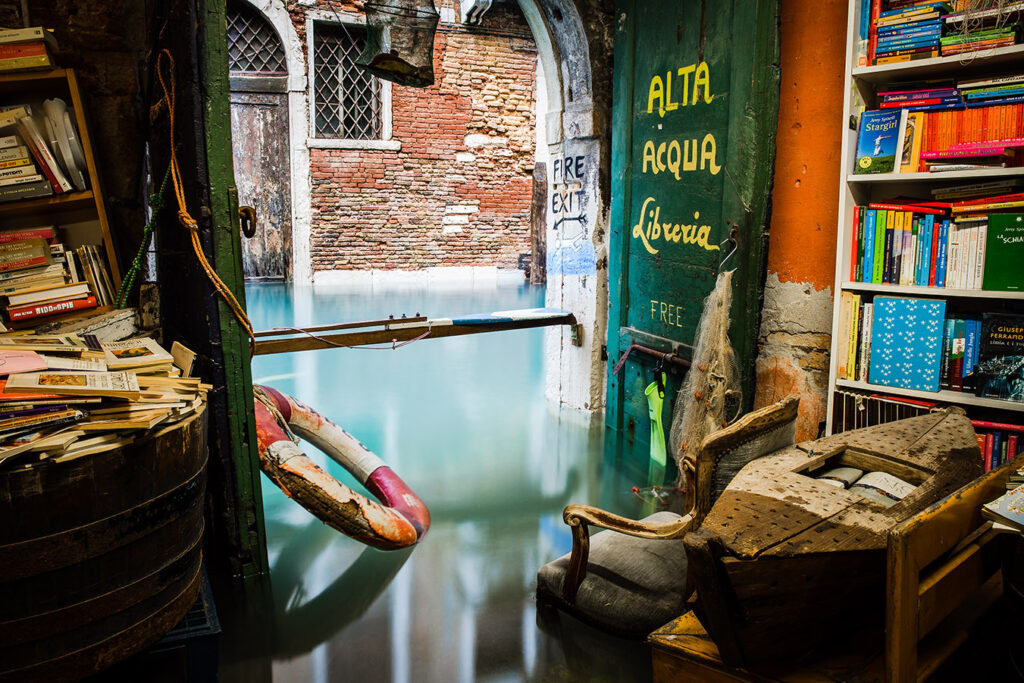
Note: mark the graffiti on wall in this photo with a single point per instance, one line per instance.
(570, 219)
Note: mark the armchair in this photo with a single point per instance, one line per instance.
(634, 581)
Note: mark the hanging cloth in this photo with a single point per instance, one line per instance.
(655, 393)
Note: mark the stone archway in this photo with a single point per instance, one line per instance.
(577, 218)
(276, 14)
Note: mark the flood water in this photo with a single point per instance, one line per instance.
(464, 421)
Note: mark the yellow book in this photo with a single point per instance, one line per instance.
(851, 359)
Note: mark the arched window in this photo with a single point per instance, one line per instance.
(253, 45)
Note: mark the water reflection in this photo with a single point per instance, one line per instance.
(464, 421)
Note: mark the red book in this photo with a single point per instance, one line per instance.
(935, 254)
(1005, 426)
(910, 103)
(908, 207)
(981, 444)
(986, 453)
(876, 9)
(40, 160)
(1016, 196)
(23, 263)
(1011, 447)
(40, 310)
(23, 50)
(33, 233)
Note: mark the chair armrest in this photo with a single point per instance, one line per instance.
(581, 517)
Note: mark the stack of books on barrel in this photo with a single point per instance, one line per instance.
(70, 396)
(40, 278)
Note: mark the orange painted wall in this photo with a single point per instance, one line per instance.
(805, 201)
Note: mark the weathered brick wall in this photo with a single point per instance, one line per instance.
(458, 193)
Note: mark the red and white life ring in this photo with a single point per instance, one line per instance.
(399, 520)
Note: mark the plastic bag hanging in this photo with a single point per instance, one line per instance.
(400, 41)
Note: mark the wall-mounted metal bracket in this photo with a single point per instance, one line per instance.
(577, 334)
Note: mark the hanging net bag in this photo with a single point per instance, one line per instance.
(710, 394)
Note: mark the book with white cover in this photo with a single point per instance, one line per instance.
(116, 384)
(134, 353)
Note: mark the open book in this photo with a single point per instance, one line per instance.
(877, 486)
(1007, 509)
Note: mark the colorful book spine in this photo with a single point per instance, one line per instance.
(942, 249)
(41, 310)
(946, 359)
(997, 450)
(867, 270)
(856, 244)
(878, 265)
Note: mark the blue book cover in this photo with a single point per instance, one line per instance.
(878, 141)
(942, 6)
(869, 246)
(929, 237)
(1016, 99)
(906, 342)
(995, 93)
(924, 252)
(940, 255)
(906, 42)
(997, 449)
(911, 27)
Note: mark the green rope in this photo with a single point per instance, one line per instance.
(156, 201)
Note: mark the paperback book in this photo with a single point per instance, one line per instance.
(879, 140)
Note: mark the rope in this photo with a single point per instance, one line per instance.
(261, 395)
(179, 194)
(156, 202)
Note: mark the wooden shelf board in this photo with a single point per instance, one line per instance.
(943, 396)
(980, 60)
(934, 177)
(940, 292)
(67, 200)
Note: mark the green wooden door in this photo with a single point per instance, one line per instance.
(694, 119)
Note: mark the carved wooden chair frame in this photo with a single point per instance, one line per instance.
(699, 479)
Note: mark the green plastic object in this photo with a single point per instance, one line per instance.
(655, 393)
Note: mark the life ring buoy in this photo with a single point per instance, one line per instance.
(399, 520)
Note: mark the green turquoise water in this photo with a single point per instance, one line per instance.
(464, 421)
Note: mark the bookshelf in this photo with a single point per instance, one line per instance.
(861, 85)
(80, 216)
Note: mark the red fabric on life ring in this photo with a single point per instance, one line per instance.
(399, 520)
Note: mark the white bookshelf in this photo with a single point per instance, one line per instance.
(862, 189)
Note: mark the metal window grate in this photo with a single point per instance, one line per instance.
(253, 45)
(346, 98)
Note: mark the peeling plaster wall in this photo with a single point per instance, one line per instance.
(795, 334)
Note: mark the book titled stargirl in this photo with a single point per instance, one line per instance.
(879, 141)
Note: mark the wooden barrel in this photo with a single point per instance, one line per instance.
(100, 554)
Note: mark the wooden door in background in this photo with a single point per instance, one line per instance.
(259, 130)
(695, 101)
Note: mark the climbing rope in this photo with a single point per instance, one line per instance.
(156, 203)
(166, 58)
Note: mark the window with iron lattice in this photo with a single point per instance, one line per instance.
(253, 45)
(348, 102)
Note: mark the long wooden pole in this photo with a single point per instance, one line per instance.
(398, 331)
